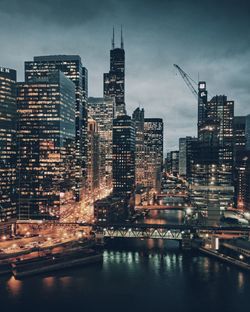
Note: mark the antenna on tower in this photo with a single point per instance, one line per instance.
(122, 43)
(113, 38)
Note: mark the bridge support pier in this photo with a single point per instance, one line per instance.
(186, 242)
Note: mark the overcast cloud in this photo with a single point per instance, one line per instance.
(208, 37)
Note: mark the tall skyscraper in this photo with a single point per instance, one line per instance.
(153, 141)
(202, 106)
(212, 169)
(222, 111)
(114, 80)
(123, 155)
(7, 143)
(71, 66)
(102, 111)
(46, 145)
(138, 118)
(93, 159)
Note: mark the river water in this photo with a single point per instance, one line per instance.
(136, 275)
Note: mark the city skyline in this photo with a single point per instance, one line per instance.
(153, 38)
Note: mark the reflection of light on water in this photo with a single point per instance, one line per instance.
(150, 243)
(240, 280)
(14, 286)
(66, 280)
(48, 281)
(160, 243)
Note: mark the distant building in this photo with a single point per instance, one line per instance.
(188, 148)
(153, 142)
(7, 143)
(239, 134)
(140, 163)
(114, 80)
(71, 66)
(123, 156)
(112, 208)
(248, 132)
(172, 163)
(46, 167)
(242, 180)
(102, 111)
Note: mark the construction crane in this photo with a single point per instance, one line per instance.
(188, 80)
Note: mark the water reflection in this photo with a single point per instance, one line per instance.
(66, 281)
(14, 286)
(164, 217)
(241, 281)
(49, 281)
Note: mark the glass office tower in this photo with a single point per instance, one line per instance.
(123, 155)
(71, 66)
(7, 143)
(46, 167)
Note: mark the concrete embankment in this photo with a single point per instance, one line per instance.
(53, 264)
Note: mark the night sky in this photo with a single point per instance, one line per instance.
(211, 38)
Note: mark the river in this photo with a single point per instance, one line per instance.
(136, 275)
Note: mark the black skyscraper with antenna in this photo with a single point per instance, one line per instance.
(114, 80)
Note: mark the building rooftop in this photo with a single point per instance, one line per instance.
(57, 58)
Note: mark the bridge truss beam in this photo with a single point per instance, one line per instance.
(143, 233)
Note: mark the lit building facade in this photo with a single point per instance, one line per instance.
(242, 179)
(211, 179)
(71, 66)
(7, 144)
(172, 163)
(123, 156)
(46, 145)
(138, 118)
(114, 80)
(239, 134)
(202, 106)
(93, 159)
(111, 209)
(153, 142)
(102, 111)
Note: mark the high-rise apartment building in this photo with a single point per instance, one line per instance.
(7, 143)
(153, 142)
(71, 66)
(46, 145)
(114, 80)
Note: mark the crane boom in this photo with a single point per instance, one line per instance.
(188, 80)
